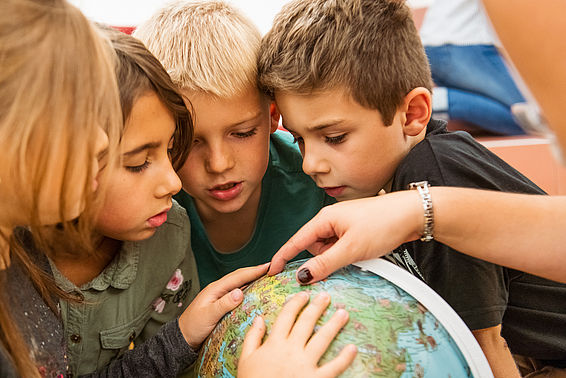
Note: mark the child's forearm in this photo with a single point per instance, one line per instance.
(524, 232)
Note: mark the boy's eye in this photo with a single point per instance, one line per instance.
(138, 168)
(298, 139)
(335, 139)
(246, 134)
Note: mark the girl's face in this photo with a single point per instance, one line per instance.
(139, 192)
(16, 208)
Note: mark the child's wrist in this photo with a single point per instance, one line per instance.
(422, 215)
(184, 327)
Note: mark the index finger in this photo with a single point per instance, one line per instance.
(238, 278)
(313, 231)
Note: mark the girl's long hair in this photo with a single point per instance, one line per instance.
(57, 87)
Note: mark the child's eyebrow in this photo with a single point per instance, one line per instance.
(143, 147)
(325, 125)
(317, 127)
(252, 118)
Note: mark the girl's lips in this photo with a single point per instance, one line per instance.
(334, 191)
(226, 192)
(158, 220)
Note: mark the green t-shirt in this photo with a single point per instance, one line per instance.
(289, 198)
(147, 284)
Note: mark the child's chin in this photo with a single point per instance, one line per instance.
(139, 235)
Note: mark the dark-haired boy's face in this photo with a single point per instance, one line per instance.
(347, 150)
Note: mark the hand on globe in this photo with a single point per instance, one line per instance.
(352, 231)
(289, 350)
(214, 301)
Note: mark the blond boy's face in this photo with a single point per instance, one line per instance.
(230, 152)
(347, 150)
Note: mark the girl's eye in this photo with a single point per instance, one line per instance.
(139, 168)
(335, 139)
(246, 134)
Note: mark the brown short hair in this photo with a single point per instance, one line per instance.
(370, 47)
(138, 71)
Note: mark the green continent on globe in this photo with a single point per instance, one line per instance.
(393, 332)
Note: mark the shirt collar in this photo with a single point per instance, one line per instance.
(120, 273)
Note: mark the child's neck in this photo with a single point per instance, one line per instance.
(228, 232)
(82, 270)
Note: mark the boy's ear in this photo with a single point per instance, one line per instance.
(418, 110)
(274, 116)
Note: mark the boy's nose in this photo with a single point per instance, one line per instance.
(219, 160)
(170, 184)
(313, 164)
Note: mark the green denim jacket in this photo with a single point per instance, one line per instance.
(147, 284)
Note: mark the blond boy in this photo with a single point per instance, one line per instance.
(243, 186)
(352, 82)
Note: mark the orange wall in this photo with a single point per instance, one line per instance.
(532, 157)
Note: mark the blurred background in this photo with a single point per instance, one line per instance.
(133, 12)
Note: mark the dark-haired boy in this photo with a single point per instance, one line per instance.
(353, 85)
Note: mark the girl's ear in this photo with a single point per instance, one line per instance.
(274, 116)
(418, 110)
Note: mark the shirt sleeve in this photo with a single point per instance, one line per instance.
(166, 354)
(477, 290)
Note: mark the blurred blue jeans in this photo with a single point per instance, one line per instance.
(479, 86)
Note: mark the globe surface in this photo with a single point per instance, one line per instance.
(400, 326)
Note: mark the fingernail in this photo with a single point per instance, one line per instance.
(342, 313)
(304, 294)
(236, 294)
(351, 348)
(324, 296)
(304, 275)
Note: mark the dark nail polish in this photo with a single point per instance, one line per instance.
(304, 275)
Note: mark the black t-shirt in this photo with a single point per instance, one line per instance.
(532, 310)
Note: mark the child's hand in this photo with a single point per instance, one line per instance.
(351, 231)
(290, 351)
(215, 300)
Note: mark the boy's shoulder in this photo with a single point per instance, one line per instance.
(284, 154)
(445, 158)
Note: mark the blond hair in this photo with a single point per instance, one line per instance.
(206, 46)
(57, 88)
(369, 47)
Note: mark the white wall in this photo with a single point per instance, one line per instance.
(133, 12)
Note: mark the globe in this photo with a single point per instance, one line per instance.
(400, 326)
